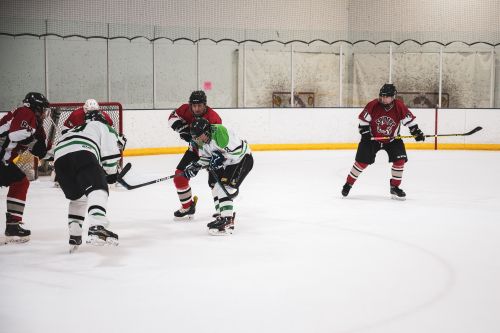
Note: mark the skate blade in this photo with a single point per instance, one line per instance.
(73, 248)
(97, 241)
(395, 197)
(14, 240)
(217, 232)
(184, 218)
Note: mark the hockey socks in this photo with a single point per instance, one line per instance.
(356, 170)
(397, 172)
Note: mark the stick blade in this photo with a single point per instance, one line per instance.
(477, 129)
(125, 169)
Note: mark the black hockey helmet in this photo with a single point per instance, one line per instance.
(388, 89)
(35, 101)
(198, 97)
(200, 126)
(95, 115)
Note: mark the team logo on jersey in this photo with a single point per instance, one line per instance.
(24, 124)
(385, 125)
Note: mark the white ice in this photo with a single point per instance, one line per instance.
(302, 259)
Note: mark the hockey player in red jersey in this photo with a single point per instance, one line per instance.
(20, 130)
(179, 120)
(382, 118)
(77, 117)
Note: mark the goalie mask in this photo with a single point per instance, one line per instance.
(91, 105)
(201, 131)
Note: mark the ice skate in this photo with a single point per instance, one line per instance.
(222, 226)
(397, 193)
(98, 235)
(74, 243)
(345, 189)
(14, 233)
(186, 213)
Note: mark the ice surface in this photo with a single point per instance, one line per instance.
(302, 259)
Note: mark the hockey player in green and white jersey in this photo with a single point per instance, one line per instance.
(227, 156)
(86, 161)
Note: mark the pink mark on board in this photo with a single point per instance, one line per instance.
(207, 85)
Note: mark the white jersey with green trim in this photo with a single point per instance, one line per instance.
(98, 138)
(225, 141)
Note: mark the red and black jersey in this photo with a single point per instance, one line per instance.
(77, 118)
(386, 122)
(18, 128)
(183, 115)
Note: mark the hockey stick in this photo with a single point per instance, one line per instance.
(477, 129)
(217, 179)
(128, 186)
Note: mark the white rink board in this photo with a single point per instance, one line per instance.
(149, 128)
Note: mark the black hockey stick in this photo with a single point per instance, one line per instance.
(477, 129)
(128, 186)
(217, 179)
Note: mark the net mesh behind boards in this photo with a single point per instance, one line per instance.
(260, 20)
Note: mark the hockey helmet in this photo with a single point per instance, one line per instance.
(198, 97)
(95, 115)
(388, 89)
(199, 127)
(90, 105)
(35, 101)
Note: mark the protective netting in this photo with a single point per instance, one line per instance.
(351, 21)
(152, 54)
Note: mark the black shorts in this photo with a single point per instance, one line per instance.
(233, 175)
(10, 173)
(368, 149)
(79, 173)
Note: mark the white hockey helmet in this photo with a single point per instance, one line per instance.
(91, 105)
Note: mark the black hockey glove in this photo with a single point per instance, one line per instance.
(417, 133)
(183, 129)
(192, 169)
(366, 134)
(185, 134)
(111, 179)
(39, 149)
(217, 160)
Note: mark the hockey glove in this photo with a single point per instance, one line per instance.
(365, 132)
(417, 133)
(185, 134)
(111, 179)
(192, 169)
(39, 149)
(183, 129)
(217, 160)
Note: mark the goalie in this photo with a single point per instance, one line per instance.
(229, 160)
(86, 161)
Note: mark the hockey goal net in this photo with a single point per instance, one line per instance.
(53, 125)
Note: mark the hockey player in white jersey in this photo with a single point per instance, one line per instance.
(227, 156)
(86, 161)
